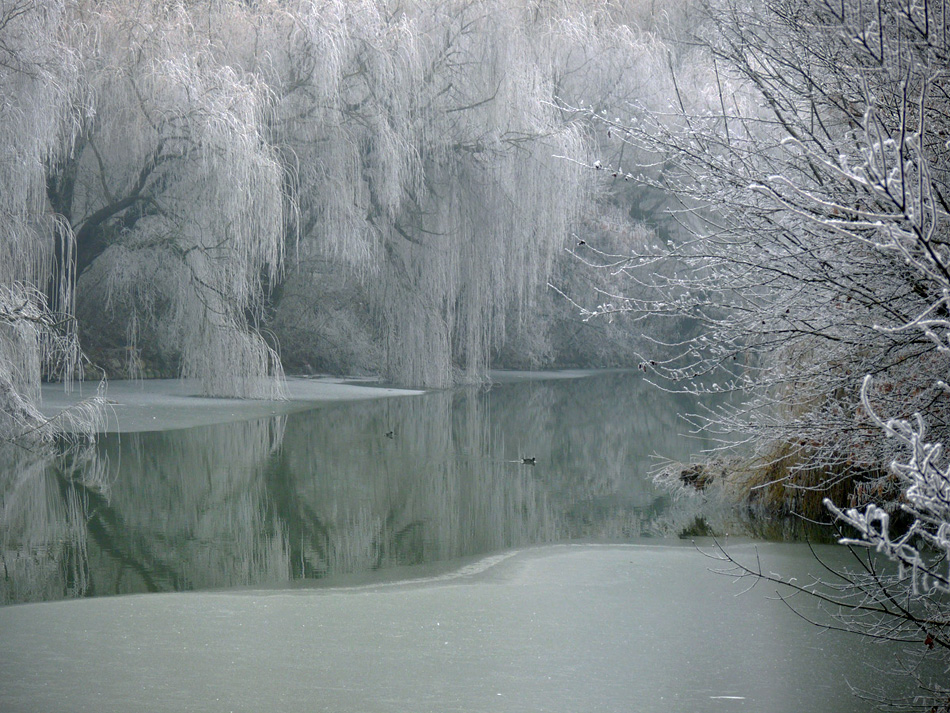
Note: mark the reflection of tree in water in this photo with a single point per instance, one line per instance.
(142, 513)
(598, 439)
(433, 491)
(193, 500)
(451, 483)
(44, 498)
(344, 488)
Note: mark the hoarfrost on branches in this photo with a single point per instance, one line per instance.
(203, 188)
(922, 549)
(808, 145)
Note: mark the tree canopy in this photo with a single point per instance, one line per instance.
(215, 190)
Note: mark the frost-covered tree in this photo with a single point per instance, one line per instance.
(378, 184)
(615, 62)
(811, 154)
(412, 151)
(39, 80)
(426, 149)
(804, 154)
(175, 195)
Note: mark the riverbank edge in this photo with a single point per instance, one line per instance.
(166, 404)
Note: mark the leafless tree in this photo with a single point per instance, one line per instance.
(809, 148)
(815, 169)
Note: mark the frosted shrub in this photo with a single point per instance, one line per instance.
(815, 162)
(922, 548)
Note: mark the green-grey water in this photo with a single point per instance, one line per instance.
(342, 488)
(426, 502)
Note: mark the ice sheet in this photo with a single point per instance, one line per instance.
(163, 404)
(561, 628)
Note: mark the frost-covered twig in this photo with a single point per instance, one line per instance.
(922, 547)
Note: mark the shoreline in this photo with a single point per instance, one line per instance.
(136, 406)
(167, 404)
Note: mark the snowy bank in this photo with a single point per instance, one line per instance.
(163, 404)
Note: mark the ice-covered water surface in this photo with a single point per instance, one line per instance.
(559, 628)
(167, 404)
(429, 498)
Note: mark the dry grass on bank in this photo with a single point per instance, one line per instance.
(780, 484)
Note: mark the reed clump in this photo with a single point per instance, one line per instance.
(783, 482)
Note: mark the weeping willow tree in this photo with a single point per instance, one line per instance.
(437, 173)
(38, 82)
(198, 182)
(498, 202)
(431, 166)
(176, 196)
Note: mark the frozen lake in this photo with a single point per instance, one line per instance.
(558, 628)
(362, 549)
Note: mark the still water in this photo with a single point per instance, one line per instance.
(342, 488)
(395, 555)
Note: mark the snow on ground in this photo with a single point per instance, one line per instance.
(564, 628)
(163, 404)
